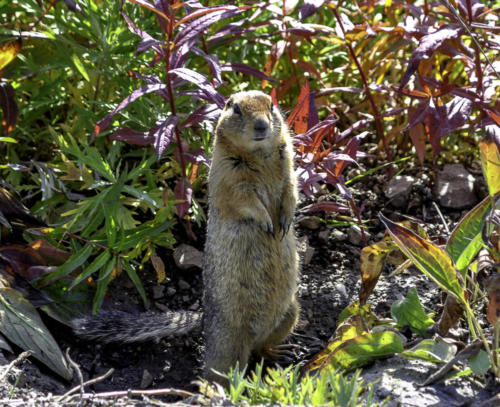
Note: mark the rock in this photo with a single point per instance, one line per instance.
(171, 291)
(195, 306)
(310, 223)
(183, 285)
(305, 251)
(187, 257)
(323, 236)
(354, 235)
(341, 290)
(398, 190)
(146, 380)
(338, 235)
(455, 187)
(161, 307)
(158, 291)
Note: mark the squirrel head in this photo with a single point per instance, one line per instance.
(250, 123)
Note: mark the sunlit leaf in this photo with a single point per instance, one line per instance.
(8, 52)
(431, 351)
(409, 312)
(490, 161)
(372, 263)
(480, 363)
(465, 241)
(433, 261)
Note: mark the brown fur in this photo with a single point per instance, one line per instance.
(251, 265)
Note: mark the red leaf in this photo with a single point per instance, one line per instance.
(274, 55)
(202, 83)
(309, 8)
(163, 134)
(206, 112)
(195, 28)
(132, 136)
(136, 94)
(428, 44)
(418, 139)
(9, 107)
(246, 69)
(305, 115)
(183, 192)
(326, 206)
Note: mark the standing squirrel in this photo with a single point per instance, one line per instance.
(250, 267)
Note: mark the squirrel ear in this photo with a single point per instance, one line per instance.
(229, 103)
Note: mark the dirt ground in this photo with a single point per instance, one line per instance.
(329, 282)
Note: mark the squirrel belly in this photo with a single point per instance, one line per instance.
(123, 327)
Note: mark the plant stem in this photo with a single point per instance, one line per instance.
(376, 112)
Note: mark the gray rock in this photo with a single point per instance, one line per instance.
(398, 190)
(338, 235)
(158, 291)
(146, 380)
(323, 236)
(305, 251)
(184, 285)
(454, 187)
(354, 235)
(187, 257)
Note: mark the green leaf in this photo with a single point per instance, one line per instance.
(490, 162)
(431, 351)
(20, 323)
(97, 264)
(465, 241)
(8, 140)
(430, 259)
(480, 362)
(366, 348)
(79, 66)
(102, 285)
(409, 311)
(75, 261)
(135, 279)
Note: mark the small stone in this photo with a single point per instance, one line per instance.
(171, 291)
(305, 251)
(183, 285)
(323, 236)
(341, 289)
(161, 307)
(147, 379)
(195, 306)
(187, 257)
(338, 235)
(158, 291)
(398, 190)
(310, 223)
(455, 187)
(354, 235)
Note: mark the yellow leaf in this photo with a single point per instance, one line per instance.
(9, 51)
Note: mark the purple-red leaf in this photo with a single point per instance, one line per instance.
(326, 206)
(428, 44)
(202, 83)
(136, 94)
(309, 7)
(132, 136)
(147, 41)
(213, 62)
(246, 69)
(183, 192)
(205, 112)
(9, 107)
(195, 28)
(163, 134)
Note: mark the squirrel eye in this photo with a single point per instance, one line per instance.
(236, 109)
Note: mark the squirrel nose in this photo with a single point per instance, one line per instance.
(260, 125)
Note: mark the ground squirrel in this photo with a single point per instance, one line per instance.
(251, 266)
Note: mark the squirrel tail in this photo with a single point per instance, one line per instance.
(122, 327)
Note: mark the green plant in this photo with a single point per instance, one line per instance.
(287, 387)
